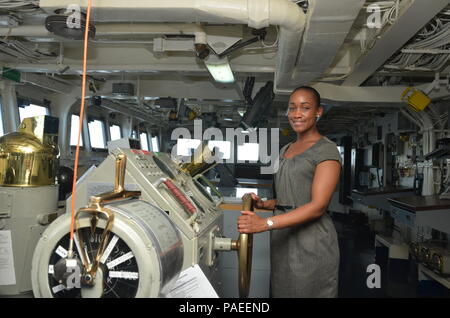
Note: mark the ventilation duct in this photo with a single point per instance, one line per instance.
(256, 14)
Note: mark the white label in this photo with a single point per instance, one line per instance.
(58, 288)
(192, 283)
(51, 269)
(7, 273)
(125, 275)
(120, 260)
(61, 251)
(109, 249)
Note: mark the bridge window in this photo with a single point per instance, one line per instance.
(134, 133)
(144, 141)
(74, 126)
(241, 191)
(248, 152)
(224, 147)
(186, 147)
(116, 132)
(32, 110)
(97, 134)
(155, 144)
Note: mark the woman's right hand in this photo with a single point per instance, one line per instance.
(258, 203)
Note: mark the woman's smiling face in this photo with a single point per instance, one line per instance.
(303, 111)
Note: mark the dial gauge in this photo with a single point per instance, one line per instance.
(120, 272)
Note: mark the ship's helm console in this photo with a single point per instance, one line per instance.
(135, 242)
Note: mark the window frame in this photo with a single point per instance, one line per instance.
(23, 104)
(111, 124)
(83, 142)
(105, 141)
(247, 161)
(147, 138)
(247, 140)
(156, 137)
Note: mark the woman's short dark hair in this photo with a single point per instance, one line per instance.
(313, 91)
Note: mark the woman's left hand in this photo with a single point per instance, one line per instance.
(250, 222)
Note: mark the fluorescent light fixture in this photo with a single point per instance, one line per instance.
(220, 69)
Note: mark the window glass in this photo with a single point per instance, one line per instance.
(144, 141)
(97, 134)
(75, 122)
(31, 111)
(248, 151)
(241, 191)
(186, 147)
(224, 148)
(116, 132)
(155, 144)
(134, 134)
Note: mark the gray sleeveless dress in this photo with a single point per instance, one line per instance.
(305, 258)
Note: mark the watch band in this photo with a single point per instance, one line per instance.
(269, 223)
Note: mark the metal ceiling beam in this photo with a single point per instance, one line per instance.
(371, 96)
(414, 18)
(46, 82)
(118, 107)
(191, 69)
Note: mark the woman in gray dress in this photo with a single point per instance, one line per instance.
(304, 250)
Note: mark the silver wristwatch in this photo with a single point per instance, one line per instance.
(269, 223)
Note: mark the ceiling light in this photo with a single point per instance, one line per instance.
(220, 69)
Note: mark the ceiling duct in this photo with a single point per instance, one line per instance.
(256, 14)
(328, 24)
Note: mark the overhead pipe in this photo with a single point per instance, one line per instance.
(254, 13)
(329, 22)
(117, 29)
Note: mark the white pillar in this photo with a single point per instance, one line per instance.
(10, 110)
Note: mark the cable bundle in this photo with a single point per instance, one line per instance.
(20, 51)
(19, 5)
(429, 50)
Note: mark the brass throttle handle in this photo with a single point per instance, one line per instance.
(119, 191)
(244, 247)
(96, 209)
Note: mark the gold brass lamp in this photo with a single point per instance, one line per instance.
(29, 157)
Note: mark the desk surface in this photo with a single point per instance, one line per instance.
(420, 203)
(383, 190)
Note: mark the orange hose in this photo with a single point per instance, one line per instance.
(83, 94)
